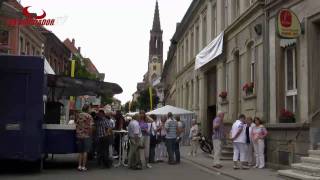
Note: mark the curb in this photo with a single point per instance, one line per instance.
(212, 169)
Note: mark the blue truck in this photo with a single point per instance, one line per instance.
(21, 108)
(25, 83)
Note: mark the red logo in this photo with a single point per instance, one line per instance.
(31, 19)
(285, 18)
(27, 14)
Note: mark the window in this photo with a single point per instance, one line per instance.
(33, 50)
(156, 45)
(204, 30)
(187, 51)
(226, 13)
(252, 62)
(192, 45)
(154, 67)
(290, 79)
(197, 39)
(182, 51)
(237, 6)
(4, 37)
(27, 48)
(214, 21)
(21, 46)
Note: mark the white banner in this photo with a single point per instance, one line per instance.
(210, 52)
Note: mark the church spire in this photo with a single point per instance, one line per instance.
(156, 27)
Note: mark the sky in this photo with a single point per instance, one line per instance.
(114, 34)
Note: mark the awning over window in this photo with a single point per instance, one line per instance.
(287, 42)
(213, 50)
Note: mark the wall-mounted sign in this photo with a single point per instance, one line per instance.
(288, 24)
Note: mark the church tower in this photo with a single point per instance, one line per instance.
(155, 48)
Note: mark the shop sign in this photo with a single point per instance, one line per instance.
(288, 24)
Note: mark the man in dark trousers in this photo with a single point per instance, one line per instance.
(104, 135)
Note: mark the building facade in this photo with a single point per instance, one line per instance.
(56, 53)
(293, 74)
(18, 40)
(280, 73)
(168, 76)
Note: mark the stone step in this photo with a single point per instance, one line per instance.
(227, 147)
(318, 146)
(311, 161)
(314, 153)
(228, 153)
(289, 174)
(306, 169)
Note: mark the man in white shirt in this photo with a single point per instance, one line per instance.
(135, 135)
(238, 136)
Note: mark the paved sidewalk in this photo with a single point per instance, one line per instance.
(203, 159)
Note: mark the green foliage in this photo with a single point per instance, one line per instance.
(81, 71)
(144, 100)
(106, 100)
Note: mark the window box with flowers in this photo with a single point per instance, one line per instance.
(286, 116)
(223, 95)
(248, 88)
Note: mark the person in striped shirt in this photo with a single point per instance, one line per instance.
(171, 137)
(104, 134)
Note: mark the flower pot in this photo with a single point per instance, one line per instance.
(287, 120)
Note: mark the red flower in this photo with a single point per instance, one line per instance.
(286, 114)
(248, 87)
(223, 94)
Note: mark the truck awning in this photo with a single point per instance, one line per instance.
(213, 50)
(67, 86)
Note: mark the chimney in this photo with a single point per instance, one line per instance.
(73, 41)
(79, 50)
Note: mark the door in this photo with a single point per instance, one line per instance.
(21, 107)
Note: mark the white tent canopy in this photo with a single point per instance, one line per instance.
(185, 116)
(166, 109)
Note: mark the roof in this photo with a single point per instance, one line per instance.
(156, 19)
(70, 46)
(90, 66)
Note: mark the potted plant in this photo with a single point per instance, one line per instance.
(287, 116)
(223, 95)
(248, 88)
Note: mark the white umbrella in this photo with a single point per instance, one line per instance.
(166, 109)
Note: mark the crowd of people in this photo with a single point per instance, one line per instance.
(154, 140)
(247, 136)
(151, 139)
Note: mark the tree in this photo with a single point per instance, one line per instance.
(106, 100)
(81, 70)
(144, 100)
